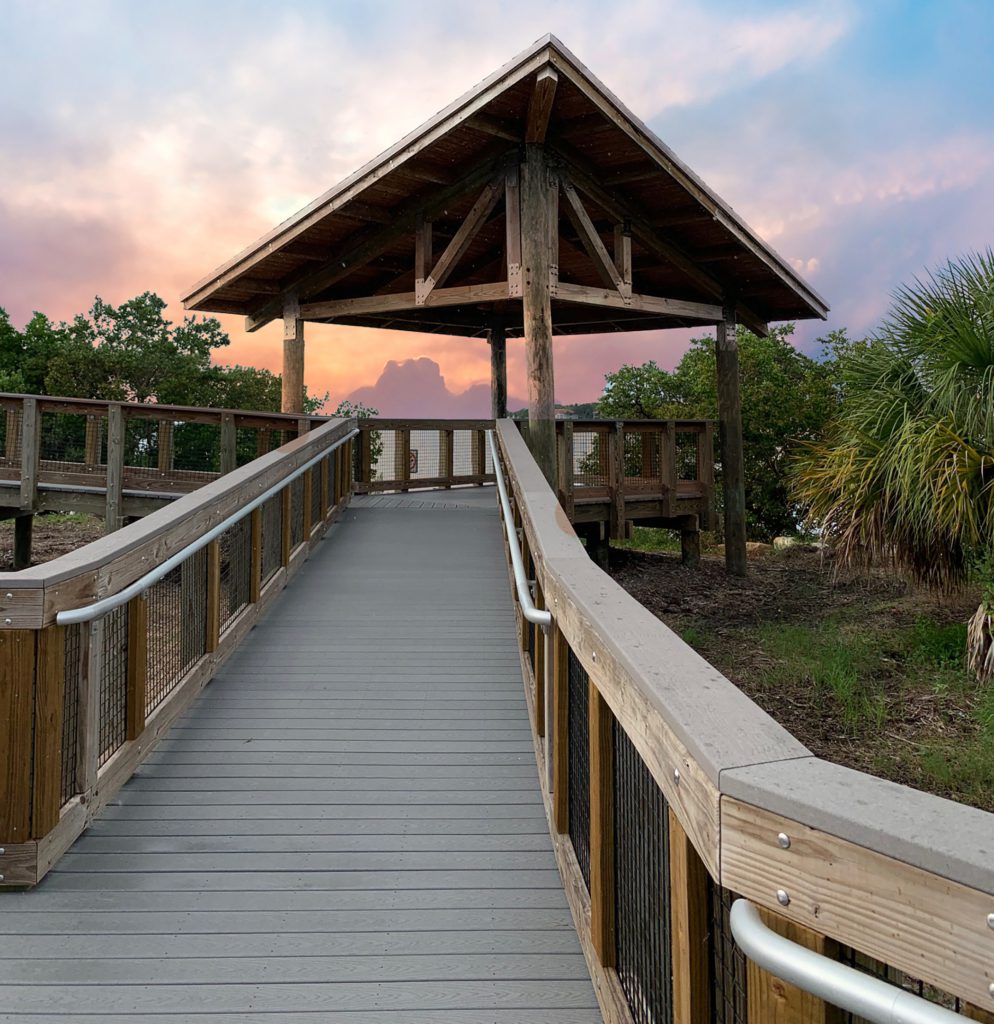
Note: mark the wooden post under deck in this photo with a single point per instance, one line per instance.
(730, 443)
(536, 259)
(497, 337)
(293, 356)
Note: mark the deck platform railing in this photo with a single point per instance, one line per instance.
(102, 649)
(670, 794)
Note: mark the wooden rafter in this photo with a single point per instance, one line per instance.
(404, 301)
(358, 252)
(462, 239)
(540, 105)
(591, 240)
(608, 297)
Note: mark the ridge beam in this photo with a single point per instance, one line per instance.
(540, 105)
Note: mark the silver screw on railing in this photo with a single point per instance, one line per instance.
(990, 920)
(676, 776)
(784, 840)
(9, 595)
(783, 898)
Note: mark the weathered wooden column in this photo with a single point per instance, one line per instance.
(293, 356)
(730, 443)
(23, 533)
(536, 257)
(497, 337)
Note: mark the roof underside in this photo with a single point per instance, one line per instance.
(358, 239)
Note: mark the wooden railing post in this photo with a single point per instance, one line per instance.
(115, 467)
(50, 680)
(560, 732)
(539, 666)
(324, 480)
(446, 446)
(308, 498)
(616, 480)
(286, 537)
(213, 596)
(669, 468)
(480, 454)
(349, 467)
(403, 459)
(255, 549)
(705, 474)
(688, 928)
(17, 695)
(568, 479)
(366, 455)
(137, 665)
(525, 624)
(229, 443)
(602, 924)
(30, 451)
(88, 729)
(166, 447)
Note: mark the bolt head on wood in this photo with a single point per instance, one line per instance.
(676, 776)
(990, 920)
(783, 897)
(784, 840)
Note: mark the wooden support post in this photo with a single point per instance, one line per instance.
(601, 826)
(770, 999)
(688, 928)
(730, 442)
(690, 541)
(560, 732)
(23, 532)
(366, 455)
(255, 548)
(705, 474)
(30, 451)
(91, 447)
(17, 698)
(213, 595)
(286, 535)
(667, 460)
(616, 481)
(539, 640)
(115, 467)
(166, 446)
(12, 435)
(445, 440)
(308, 499)
(512, 206)
(497, 336)
(88, 727)
(292, 399)
(403, 456)
(536, 201)
(349, 466)
(50, 680)
(323, 484)
(479, 453)
(137, 665)
(229, 443)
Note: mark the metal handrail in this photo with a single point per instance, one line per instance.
(93, 611)
(539, 616)
(860, 994)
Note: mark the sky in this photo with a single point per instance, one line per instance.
(146, 143)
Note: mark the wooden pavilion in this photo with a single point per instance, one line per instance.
(535, 204)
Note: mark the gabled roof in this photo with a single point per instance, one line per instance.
(357, 238)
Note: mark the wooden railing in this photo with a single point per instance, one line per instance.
(400, 455)
(669, 793)
(82, 705)
(121, 459)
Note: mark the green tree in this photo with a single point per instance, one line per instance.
(906, 474)
(787, 398)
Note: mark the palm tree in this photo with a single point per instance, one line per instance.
(906, 474)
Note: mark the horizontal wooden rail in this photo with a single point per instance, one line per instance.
(123, 678)
(841, 861)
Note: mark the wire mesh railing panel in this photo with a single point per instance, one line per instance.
(425, 455)
(63, 442)
(141, 446)
(296, 512)
(467, 455)
(236, 569)
(331, 478)
(10, 435)
(383, 456)
(73, 668)
(315, 475)
(590, 458)
(728, 970)
(246, 445)
(686, 455)
(577, 702)
(197, 449)
(642, 887)
(113, 683)
(272, 536)
(643, 460)
(177, 627)
(531, 627)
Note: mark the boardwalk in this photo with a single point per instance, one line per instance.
(345, 827)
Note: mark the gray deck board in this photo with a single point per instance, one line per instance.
(346, 827)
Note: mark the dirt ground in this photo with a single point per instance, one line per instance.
(921, 725)
(54, 535)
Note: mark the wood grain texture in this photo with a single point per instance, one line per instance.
(929, 927)
(17, 728)
(602, 909)
(689, 928)
(49, 709)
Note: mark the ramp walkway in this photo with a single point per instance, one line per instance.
(346, 826)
